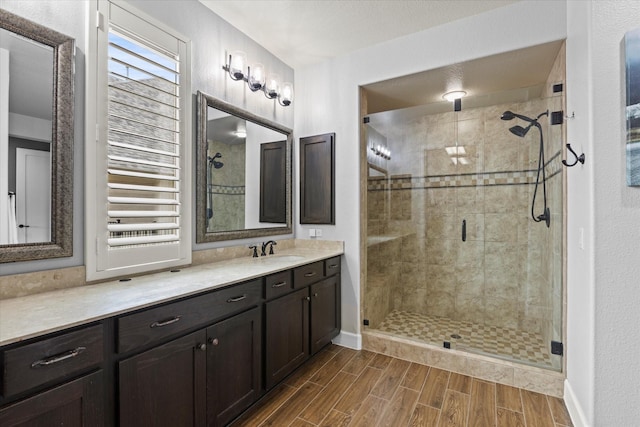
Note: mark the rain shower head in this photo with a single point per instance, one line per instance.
(519, 130)
(510, 115)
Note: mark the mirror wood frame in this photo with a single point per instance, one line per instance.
(205, 101)
(61, 243)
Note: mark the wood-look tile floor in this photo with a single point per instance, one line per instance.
(342, 387)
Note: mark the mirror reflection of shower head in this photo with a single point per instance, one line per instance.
(216, 164)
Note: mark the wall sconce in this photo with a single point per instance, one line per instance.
(257, 80)
(381, 151)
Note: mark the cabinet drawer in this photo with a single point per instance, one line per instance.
(154, 324)
(278, 284)
(331, 266)
(34, 364)
(307, 274)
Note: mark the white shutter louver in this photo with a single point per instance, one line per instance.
(143, 143)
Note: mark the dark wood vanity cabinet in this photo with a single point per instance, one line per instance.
(234, 366)
(286, 335)
(64, 376)
(325, 312)
(76, 403)
(198, 361)
(300, 323)
(165, 386)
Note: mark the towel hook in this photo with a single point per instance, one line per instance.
(579, 158)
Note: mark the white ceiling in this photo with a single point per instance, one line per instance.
(304, 32)
(31, 76)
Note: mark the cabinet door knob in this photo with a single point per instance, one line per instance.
(214, 341)
(201, 347)
(315, 295)
(307, 298)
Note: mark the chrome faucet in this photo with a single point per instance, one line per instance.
(264, 247)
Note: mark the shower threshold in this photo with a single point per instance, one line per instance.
(503, 343)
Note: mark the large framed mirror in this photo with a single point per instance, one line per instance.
(36, 140)
(243, 163)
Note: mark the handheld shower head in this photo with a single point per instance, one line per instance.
(519, 130)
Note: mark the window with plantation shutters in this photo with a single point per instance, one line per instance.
(142, 148)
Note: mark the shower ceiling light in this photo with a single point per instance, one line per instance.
(454, 94)
(257, 80)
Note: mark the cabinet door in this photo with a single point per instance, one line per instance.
(165, 386)
(76, 403)
(317, 179)
(286, 335)
(325, 312)
(234, 366)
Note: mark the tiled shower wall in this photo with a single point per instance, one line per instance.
(228, 187)
(508, 271)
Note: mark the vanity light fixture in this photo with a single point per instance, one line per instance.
(257, 79)
(382, 151)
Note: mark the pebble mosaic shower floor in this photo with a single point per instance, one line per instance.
(506, 343)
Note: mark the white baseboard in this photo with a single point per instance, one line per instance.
(573, 406)
(348, 339)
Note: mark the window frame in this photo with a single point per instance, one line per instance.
(100, 262)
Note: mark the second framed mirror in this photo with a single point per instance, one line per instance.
(243, 173)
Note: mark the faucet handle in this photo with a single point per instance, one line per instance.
(255, 251)
(273, 243)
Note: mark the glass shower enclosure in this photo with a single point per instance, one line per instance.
(457, 255)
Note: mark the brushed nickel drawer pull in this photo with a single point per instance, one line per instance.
(278, 285)
(236, 299)
(165, 322)
(313, 273)
(58, 357)
(333, 265)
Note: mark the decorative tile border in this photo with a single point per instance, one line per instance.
(230, 190)
(408, 182)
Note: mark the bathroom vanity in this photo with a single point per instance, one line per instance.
(192, 347)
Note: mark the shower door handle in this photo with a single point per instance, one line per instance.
(464, 230)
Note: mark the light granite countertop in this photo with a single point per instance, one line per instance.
(34, 315)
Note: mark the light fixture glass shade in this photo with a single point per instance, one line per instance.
(286, 94)
(256, 78)
(272, 86)
(238, 64)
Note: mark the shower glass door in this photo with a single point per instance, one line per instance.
(454, 257)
